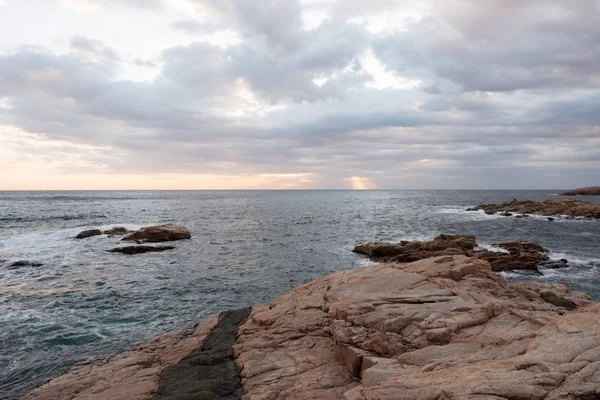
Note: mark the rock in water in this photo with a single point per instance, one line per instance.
(24, 264)
(140, 249)
(586, 191)
(518, 255)
(159, 233)
(116, 231)
(568, 207)
(88, 233)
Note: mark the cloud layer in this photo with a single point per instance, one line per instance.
(316, 94)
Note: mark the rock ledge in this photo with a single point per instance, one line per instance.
(570, 208)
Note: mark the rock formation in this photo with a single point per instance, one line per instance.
(132, 375)
(130, 250)
(88, 233)
(24, 264)
(517, 255)
(586, 191)
(117, 231)
(568, 207)
(439, 328)
(159, 233)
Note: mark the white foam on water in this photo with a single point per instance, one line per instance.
(43, 246)
(475, 215)
(489, 247)
(364, 262)
(555, 256)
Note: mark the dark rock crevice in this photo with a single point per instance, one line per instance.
(210, 373)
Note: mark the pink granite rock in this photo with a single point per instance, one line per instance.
(439, 328)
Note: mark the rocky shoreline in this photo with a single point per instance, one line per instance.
(586, 191)
(568, 208)
(443, 326)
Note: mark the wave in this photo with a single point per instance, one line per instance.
(475, 215)
(574, 259)
(68, 217)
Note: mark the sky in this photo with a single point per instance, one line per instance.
(299, 94)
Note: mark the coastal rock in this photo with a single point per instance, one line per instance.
(88, 233)
(440, 328)
(140, 249)
(209, 373)
(586, 191)
(406, 251)
(159, 233)
(568, 207)
(517, 255)
(133, 375)
(117, 231)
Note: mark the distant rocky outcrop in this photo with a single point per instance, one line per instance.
(117, 231)
(159, 233)
(88, 233)
(517, 255)
(569, 207)
(131, 250)
(441, 328)
(23, 264)
(586, 191)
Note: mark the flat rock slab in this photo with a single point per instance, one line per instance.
(210, 373)
(131, 250)
(159, 233)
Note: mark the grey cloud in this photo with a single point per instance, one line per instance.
(145, 63)
(94, 47)
(195, 26)
(277, 22)
(539, 75)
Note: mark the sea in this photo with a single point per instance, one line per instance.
(247, 248)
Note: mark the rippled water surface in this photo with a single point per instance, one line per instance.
(247, 248)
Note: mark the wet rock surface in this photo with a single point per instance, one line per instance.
(586, 191)
(159, 233)
(517, 256)
(569, 207)
(88, 233)
(131, 250)
(211, 372)
(117, 231)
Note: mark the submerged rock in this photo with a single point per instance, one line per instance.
(567, 207)
(159, 233)
(586, 191)
(88, 233)
(140, 249)
(24, 264)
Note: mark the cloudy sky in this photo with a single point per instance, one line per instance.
(299, 94)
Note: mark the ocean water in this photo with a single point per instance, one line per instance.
(247, 248)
